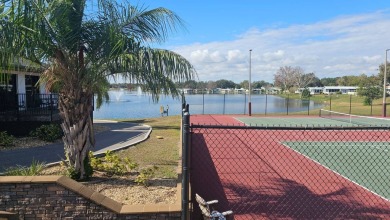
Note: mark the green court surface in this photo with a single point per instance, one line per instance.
(312, 121)
(365, 163)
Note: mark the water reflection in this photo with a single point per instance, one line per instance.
(125, 104)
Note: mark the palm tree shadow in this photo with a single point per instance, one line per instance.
(204, 177)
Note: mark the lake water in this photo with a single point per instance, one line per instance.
(125, 104)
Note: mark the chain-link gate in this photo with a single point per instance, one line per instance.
(292, 172)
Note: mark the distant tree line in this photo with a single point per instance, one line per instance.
(291, 78)
(288, 79)
(286, 83)
(223, 84)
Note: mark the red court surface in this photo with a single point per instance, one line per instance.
(260, 178)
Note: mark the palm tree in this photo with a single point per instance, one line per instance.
(81, 43)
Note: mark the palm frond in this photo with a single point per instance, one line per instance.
(150, 25)
(56, 35)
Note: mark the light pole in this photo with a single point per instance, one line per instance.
(250, 69)
(384, 86)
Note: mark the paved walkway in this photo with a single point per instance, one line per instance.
(120, 135)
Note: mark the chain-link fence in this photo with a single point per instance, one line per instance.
(288, 105)
(290, 172)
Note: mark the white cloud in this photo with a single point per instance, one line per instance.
(199, 55)
(348, 45)
(370, 59)
(273, 56)
(234, 55)
(216, 57)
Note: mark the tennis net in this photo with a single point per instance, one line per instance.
(355, 119)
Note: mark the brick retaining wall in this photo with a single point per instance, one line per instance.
(59, 197)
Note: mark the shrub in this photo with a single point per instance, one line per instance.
(112, 164)
(88, 168)
(71, 172)
(6, 140)
(305, 93)
(34, 169)
(145, 175)
(50, 132)
(367, 101)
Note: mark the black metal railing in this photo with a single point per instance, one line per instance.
(16, 107)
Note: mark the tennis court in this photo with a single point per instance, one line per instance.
(355, 161)
(293, 167)
(364, 163)
(325, 118)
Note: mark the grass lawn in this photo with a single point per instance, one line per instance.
(161, 148)
(343, 103)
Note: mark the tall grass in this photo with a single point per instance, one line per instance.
(34, 169)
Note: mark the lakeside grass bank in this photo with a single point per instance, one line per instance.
(351, 104)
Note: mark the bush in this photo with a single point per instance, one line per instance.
(50, 132)
(71, 172)
(34, 169)
(6, 140)
(112, 164)
(88, 168)
(305, 93)
(367, 101)
(145, 175)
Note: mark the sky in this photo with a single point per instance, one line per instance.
(329, 38)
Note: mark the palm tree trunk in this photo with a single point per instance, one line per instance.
(75, 108)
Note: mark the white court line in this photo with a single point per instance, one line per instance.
(360, 142)
(337, 173)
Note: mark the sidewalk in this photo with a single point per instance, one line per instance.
(119, 136)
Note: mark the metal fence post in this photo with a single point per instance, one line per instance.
(371, 100)
(224, 100)
(266, 103)
(203, 104)
(20, 97)
(350, 104)
(51, 107)
(244, 103)
(185, 183)
(288, 100)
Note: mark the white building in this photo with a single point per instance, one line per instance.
(273, 90)
(186, 90)
(240, 91)
(312, 90)
(350, 90)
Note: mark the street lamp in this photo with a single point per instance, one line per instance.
(250, 69)
(384, 87)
